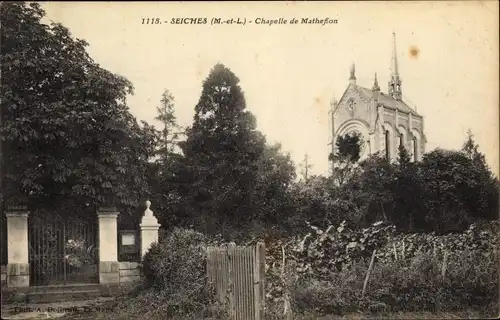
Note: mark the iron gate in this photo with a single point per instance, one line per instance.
(63, 250)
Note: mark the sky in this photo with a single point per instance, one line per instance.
(290, 72)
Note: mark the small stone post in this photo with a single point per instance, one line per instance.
(18, 268)
(109, 269)
(149, 229)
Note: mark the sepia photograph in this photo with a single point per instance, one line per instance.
(280, 160)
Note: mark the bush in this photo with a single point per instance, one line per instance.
(175, 274)
(331, 266)
(178, 259)
(410, 285)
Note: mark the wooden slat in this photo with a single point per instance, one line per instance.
(237, 274)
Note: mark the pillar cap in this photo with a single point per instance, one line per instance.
(17, 211)
(149, 220)
(17, 214)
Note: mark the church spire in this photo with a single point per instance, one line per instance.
(375, 84)
(352, 78)
(395, 82)
(394, 62)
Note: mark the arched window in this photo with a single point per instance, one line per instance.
(401, 140)
(415, 150)
(387, 145)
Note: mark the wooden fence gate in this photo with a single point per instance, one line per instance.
(63, 250)
(238, 275)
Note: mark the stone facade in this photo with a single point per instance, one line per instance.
(384, 120)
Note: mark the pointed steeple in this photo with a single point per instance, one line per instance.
(352, 78)
(375, 84)
(394, 62)
(395, 81)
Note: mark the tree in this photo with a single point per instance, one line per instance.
(222, 151)
(270, 195)
(349, 146)
(68, 135)
(374, 183)
(314, 203)
(171, 130)
(164, 176)
(446, 178)
(484, 202)
(471, 149)
(305, 165)
(348, 152)
(404, 158)
(408, 194)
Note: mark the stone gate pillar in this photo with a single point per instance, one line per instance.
(109, 269)
(18, 268)
(149, 229)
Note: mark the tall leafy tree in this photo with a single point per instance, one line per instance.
(222, 151)
(68, 135)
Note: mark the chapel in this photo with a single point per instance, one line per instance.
(384, 120)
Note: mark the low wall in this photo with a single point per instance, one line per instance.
(130, 272)
(129, 277)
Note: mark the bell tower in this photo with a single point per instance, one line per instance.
(395, 89)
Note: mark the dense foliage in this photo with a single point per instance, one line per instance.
(175, 274)
(229, 177)
(411, 285)
(412, 272)
(445, 192)
(67, 133)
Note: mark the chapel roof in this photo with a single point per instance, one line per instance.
(386, 100)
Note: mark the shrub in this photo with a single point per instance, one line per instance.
(175, 274)
(178, 259)
(410, 285)
(332, 265)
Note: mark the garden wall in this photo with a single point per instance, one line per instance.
(129, 272)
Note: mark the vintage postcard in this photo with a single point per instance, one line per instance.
(249, 160)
